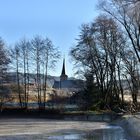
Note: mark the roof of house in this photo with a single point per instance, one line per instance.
(67, 84)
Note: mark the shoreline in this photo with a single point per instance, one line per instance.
(131, 125)
(70, 116)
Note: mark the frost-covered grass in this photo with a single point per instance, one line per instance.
(15, 129)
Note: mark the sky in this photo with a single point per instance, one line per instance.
(59, 20)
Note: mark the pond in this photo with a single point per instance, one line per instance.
(107, 133)
(46, 129)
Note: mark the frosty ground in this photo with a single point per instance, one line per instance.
(14, 129)
(44, 129)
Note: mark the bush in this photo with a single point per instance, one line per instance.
(5, 93)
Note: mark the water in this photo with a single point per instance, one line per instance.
(108, 133)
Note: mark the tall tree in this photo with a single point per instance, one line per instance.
(132, 74)
(4, 61)
(15, 58)
(127, 13)
(24, 48)
(98, 50)
(45, 56)
(49, 58)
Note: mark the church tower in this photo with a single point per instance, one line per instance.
(63, 75)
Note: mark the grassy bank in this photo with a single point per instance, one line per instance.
(59, 114)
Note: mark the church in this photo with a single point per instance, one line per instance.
(66, 84)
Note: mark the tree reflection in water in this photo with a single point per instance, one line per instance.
(108, 133)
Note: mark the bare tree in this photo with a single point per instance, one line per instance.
(45, 56)
(98, 50)
(15, 57)
(37, 50)
(49, 58)
(24, 48)
(132, 73)
(127, 13)
(4, 61)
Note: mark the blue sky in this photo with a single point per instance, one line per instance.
(59, 20)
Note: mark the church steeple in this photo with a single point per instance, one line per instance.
(63, 74)
(63, 68)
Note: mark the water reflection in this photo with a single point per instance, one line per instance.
(108, 133)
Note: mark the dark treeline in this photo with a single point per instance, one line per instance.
(28, 56)
(108, 52)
